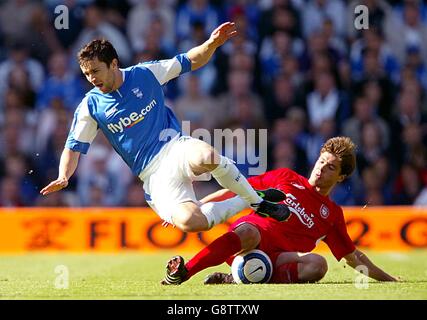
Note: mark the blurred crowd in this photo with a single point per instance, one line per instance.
(298, 68)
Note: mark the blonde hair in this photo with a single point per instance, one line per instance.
(345, 150)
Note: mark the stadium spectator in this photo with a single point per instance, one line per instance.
(245, 15)
(96, 27)
(372, 194)
(326, 102)
(61, 83)
(408, 112)
(208, 74)
(20, 168)
(288, 155)
(75, 9)
(372, 55)
(408, 185)
(282, 15)
(280, 98)
(192, 11)
(240, 86)
(372, 145)
(140, 20)
(134, 196)
(380, 16)
(21, 72)
(315, 12)
(291, 68)
(109, 191)
(10, 193)
(194, 105)
(415, 62)
(364, 112)
(380, 101)
(410, 33)
(272, 50)
(16, 21)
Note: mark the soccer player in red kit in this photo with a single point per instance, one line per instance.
(314, 217)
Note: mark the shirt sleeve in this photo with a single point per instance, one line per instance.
(83, 129)
(338, 239)
(165, 70)
(270, 179)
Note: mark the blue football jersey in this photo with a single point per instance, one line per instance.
(134, 117)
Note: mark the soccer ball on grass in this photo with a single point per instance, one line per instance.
(252, 267)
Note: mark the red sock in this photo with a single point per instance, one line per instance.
(215, 253)
(286, 273)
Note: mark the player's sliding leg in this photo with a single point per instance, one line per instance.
(244, 237)
(204, 158)
(295, 267)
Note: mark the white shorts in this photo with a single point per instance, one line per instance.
(168, 179)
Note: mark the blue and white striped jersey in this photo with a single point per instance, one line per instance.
(134, 118)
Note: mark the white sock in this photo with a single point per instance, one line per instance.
(230, 178)
(218, 212)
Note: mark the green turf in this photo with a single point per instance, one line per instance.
(137, 276)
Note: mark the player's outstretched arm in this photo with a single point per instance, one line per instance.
(358, 258)
(200, 55)
(67, 166)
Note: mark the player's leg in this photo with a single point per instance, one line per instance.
(295, 267)
(188, 217)
(191, 217)
(243, 238)
(169, 191)
(202, 158)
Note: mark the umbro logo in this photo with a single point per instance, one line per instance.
(110, 112)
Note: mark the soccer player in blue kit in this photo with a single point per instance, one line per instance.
(128, 106)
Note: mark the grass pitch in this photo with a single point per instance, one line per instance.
(137, 276)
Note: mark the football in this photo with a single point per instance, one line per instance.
(252, 267)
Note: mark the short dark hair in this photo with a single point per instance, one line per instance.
(98, 48)
(344, 149)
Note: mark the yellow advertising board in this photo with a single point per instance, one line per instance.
(116, 229)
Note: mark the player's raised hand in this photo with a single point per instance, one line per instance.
(54, 186)
(224, 32)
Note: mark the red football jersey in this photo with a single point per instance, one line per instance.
(314, 217)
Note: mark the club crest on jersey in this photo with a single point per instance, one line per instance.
(324, 211)
(137, 92)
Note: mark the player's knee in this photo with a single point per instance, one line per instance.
(249, 236)
(207, 157)
(316, 269)
(190, 221)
